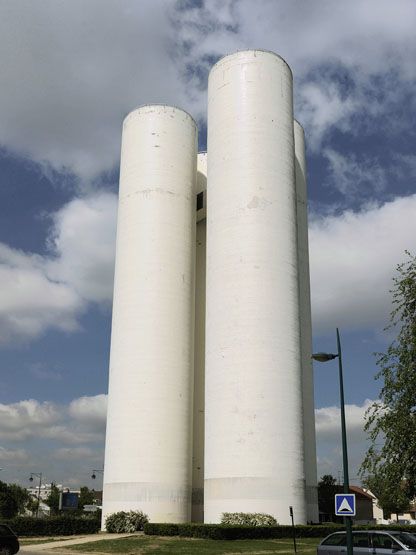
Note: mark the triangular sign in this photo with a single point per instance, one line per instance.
(345, 507)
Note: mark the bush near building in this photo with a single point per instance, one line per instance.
(53, 526)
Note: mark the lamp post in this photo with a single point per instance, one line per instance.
(38, 475)
(93, 475)
(325, 357)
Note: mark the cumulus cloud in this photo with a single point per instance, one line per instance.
(82, 240)
(328, 438)
(71, 70)
(21, 420)
(353, 257)
(43, 433)
(90, 409)
(82, 421)
(328, 421)
(38, 293)
(30, 301)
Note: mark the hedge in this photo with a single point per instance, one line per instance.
(53, 525)
(232, 532)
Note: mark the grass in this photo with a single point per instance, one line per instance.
(157, 545)
(34, 541)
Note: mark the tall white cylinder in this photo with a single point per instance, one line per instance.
(254, 457)
(199, 373)
(149, 423)
(306, 327)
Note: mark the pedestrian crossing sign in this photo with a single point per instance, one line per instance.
(345, 504)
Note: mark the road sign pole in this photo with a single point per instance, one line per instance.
(347, 520)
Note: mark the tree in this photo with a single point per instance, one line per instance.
(53, 499)
(22, 497)
(327, 488)
(391, 499)
(391, 421)
(9, 506)
(86, 497)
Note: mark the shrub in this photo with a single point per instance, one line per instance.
(63, 525)
(122, 521)
(248, 519)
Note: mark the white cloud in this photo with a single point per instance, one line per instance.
(12, 455)
(83, 240)
(30, 302)
(82, 421)
(89, 409)
(23, 419)
(72, 434)
(328, 421)
(353, 258)
(74, 453)
(42, 292)
(71, 70)
(328, 437)
(351, 175)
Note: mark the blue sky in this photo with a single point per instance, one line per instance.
(70, 72)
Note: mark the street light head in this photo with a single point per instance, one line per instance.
(323, 357)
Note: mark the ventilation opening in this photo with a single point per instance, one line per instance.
(200, 201)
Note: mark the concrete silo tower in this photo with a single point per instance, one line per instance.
(254, 444)
(148, 454)
(305, 326)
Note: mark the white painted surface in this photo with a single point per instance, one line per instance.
(254, 458)
(306, 327)
(199, 365)
(149, 423)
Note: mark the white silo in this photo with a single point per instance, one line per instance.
(254, 454)
(306, 327)
(199, 380)
(149, 422)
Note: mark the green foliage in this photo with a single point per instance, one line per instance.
(53, 526)
(9, 502)
(391, 496)
(248, 519)
(22, 497)
(391, 421)
(230, 532)
(327, 488)
(131, 521)
(53, 500)
(86, 497)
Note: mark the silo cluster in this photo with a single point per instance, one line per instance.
(210, 405)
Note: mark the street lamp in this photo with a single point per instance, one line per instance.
(325, 357)
(93, 475)
(38, 475)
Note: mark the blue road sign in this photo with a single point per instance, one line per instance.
(345, 504)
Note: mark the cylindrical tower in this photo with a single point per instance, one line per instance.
(254, 456)
(199, 372)
(149, 423)
(306, 327)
